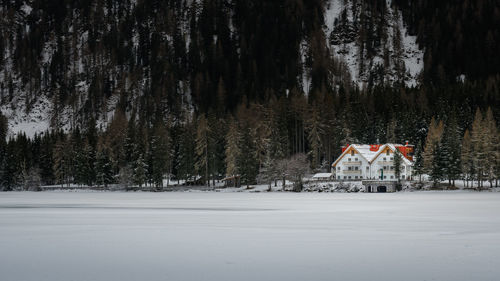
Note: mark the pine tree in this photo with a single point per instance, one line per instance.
(437, 172)
(139, 172)
(490, 143)
(232, 152)
(61, 165)
(267, 173)
(397, 164)
(315, 132)
(451, 144)
(202, 148)
(418, 166)
(104, 168)
(478, 135)
(467, 164)
(248, 166)
(432, 141)
(3, 148)
(160, 154)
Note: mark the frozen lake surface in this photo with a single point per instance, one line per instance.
(91, 236)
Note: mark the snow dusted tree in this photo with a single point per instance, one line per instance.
(202, 148)
(418, 166)
(3, 147)
(478, 135)
(437, 168)
(139, 172)
(297, 167)
(490, 142)
(315, 130)
(187, 157)
(451, 150)
(31, 179)
(467, 164)
(61, 162)
(160, 154)
(104, 168)
(267, 173)
(248, 166)
(397, 164)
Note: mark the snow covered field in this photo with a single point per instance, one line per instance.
(249, 236)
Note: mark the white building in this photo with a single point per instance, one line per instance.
(372, 162)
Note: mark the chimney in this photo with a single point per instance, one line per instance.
(406, 144)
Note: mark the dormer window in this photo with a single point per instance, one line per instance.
(352, 152)
(388, 152)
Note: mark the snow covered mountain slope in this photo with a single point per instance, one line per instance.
(375, 48)
(59, 68)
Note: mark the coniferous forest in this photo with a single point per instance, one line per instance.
(197, 90)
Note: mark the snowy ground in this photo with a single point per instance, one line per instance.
(249, 236)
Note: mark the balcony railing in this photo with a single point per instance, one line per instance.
(351, 172)
(352, 163)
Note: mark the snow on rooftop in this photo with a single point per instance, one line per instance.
(365, 151)
(322, 175)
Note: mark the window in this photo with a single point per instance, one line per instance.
(403, 168)
(352, 152)
(385, 159)
(392, 168)
(391, 158)
(349, 177)
(361, 177)
(348, 159)
(356, 168)
(367, 168)
(356, 159)
(388, 152)
(338, 177)
(345, 177)
(338, 168)
(356, 177)
(392, 177)
(349, 168)
(385, 177)
(403, 176)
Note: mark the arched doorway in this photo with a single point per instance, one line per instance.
(381, 188)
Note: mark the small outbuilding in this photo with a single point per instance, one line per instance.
(232, 181)
(322, 177)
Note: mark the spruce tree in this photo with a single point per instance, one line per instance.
(3, 148)
(232, 152)
(397, 164)
(104, 169)
(418, 165)
(248, 166)
(202, 149)
(466, 160)
(478, 135)
(490, 143)
(451, 144)
(139, 171)
(437, 172)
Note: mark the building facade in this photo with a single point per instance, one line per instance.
(360, 162)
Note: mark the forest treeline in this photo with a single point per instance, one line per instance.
(453, 141)
(203, 89)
